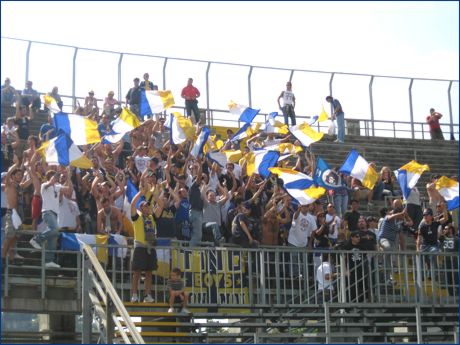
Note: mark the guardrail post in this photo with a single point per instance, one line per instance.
(262, 276)
(411, 109)
(27, 61)
(343, 294)
(327, 324)
(330, 90)
(119, 77)
(450, 110)
(371, 102)
(418, 283)
(210, 120)
(418, 322)
(249, 88)
(86, 302)
(74, 73)
(290, 77)
(110, 324)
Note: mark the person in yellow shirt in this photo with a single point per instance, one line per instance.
(144, 256)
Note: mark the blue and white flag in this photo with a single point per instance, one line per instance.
(200, 142)
(154, 102)
(259, 161)
(325, 177)
(245, 113)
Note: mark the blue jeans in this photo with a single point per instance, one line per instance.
(196, 219)
(341, 204)
(340, 127)
(288, 112)
(50, 235)
(215, 229)
(431, 264)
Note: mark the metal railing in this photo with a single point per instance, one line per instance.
(99, 297)
(370, 126)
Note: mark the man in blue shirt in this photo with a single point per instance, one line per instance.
(31, 96)
(47, 130)
(340, 116)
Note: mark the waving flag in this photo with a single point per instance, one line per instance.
(224, 157)
(259, 161)
(61, 150)
(305, 134)
(51, 104)
(245, 113)
(356, 166)
(181, 129)
(248, 130)
(154, 102)
(319, 118)
(125, 123)
(81, 130)
(408, 176)
(300, 186)
(448, 188)
(325, 177)
(200, 142)
(273, 126)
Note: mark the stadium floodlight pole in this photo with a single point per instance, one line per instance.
(450, 109)
(74, 76)
(290, 77)
(27, 61)
(371, 102)
(209, 120)
(119, 75)
(411, 109)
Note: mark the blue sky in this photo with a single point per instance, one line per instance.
(416, 39)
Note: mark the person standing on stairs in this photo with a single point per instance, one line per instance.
(144, 256)
(338, 115)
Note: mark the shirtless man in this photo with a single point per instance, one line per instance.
(112, 226)
(34, 169)
(14, 204)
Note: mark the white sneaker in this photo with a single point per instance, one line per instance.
(35, 244)
(185, 311)
(17, 256)
(134, 299)
(52, 264)
(171, 310)
(148, 299)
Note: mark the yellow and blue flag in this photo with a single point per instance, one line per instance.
(408, 176)
(319, 118)
(200, 142)
(224, 157)
(448, 188)
(248, 130)
(181, 128)
(305, 134)
(298, 185)
(356, 166)
(245, 113)
(81, 130)
(125, 123)
(260, 160)
(154, 102)
(62, 151)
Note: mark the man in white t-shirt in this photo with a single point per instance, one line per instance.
(141, 160)
(334, 223)
(50, 192)
(288, 104)
(303, 224)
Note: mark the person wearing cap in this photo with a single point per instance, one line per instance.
(190, 93)
(339, 115)
(8, 94)
(428, 234)
(133, 98)
(356, 264)
(242, 230)
(144, 256)
(109, 104)
(90, 106)
(334, 223)
(372, 226)
(442, 215)
(390, 228)
(449, 244)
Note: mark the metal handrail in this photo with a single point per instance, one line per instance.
(111, 297)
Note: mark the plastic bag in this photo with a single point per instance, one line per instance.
(331, 129)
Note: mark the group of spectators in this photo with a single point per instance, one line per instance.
(192, 199)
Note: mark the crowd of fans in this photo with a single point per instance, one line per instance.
(191, 199)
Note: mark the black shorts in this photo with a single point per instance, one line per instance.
(143, 260)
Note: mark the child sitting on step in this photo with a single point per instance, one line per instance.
(176, 289)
